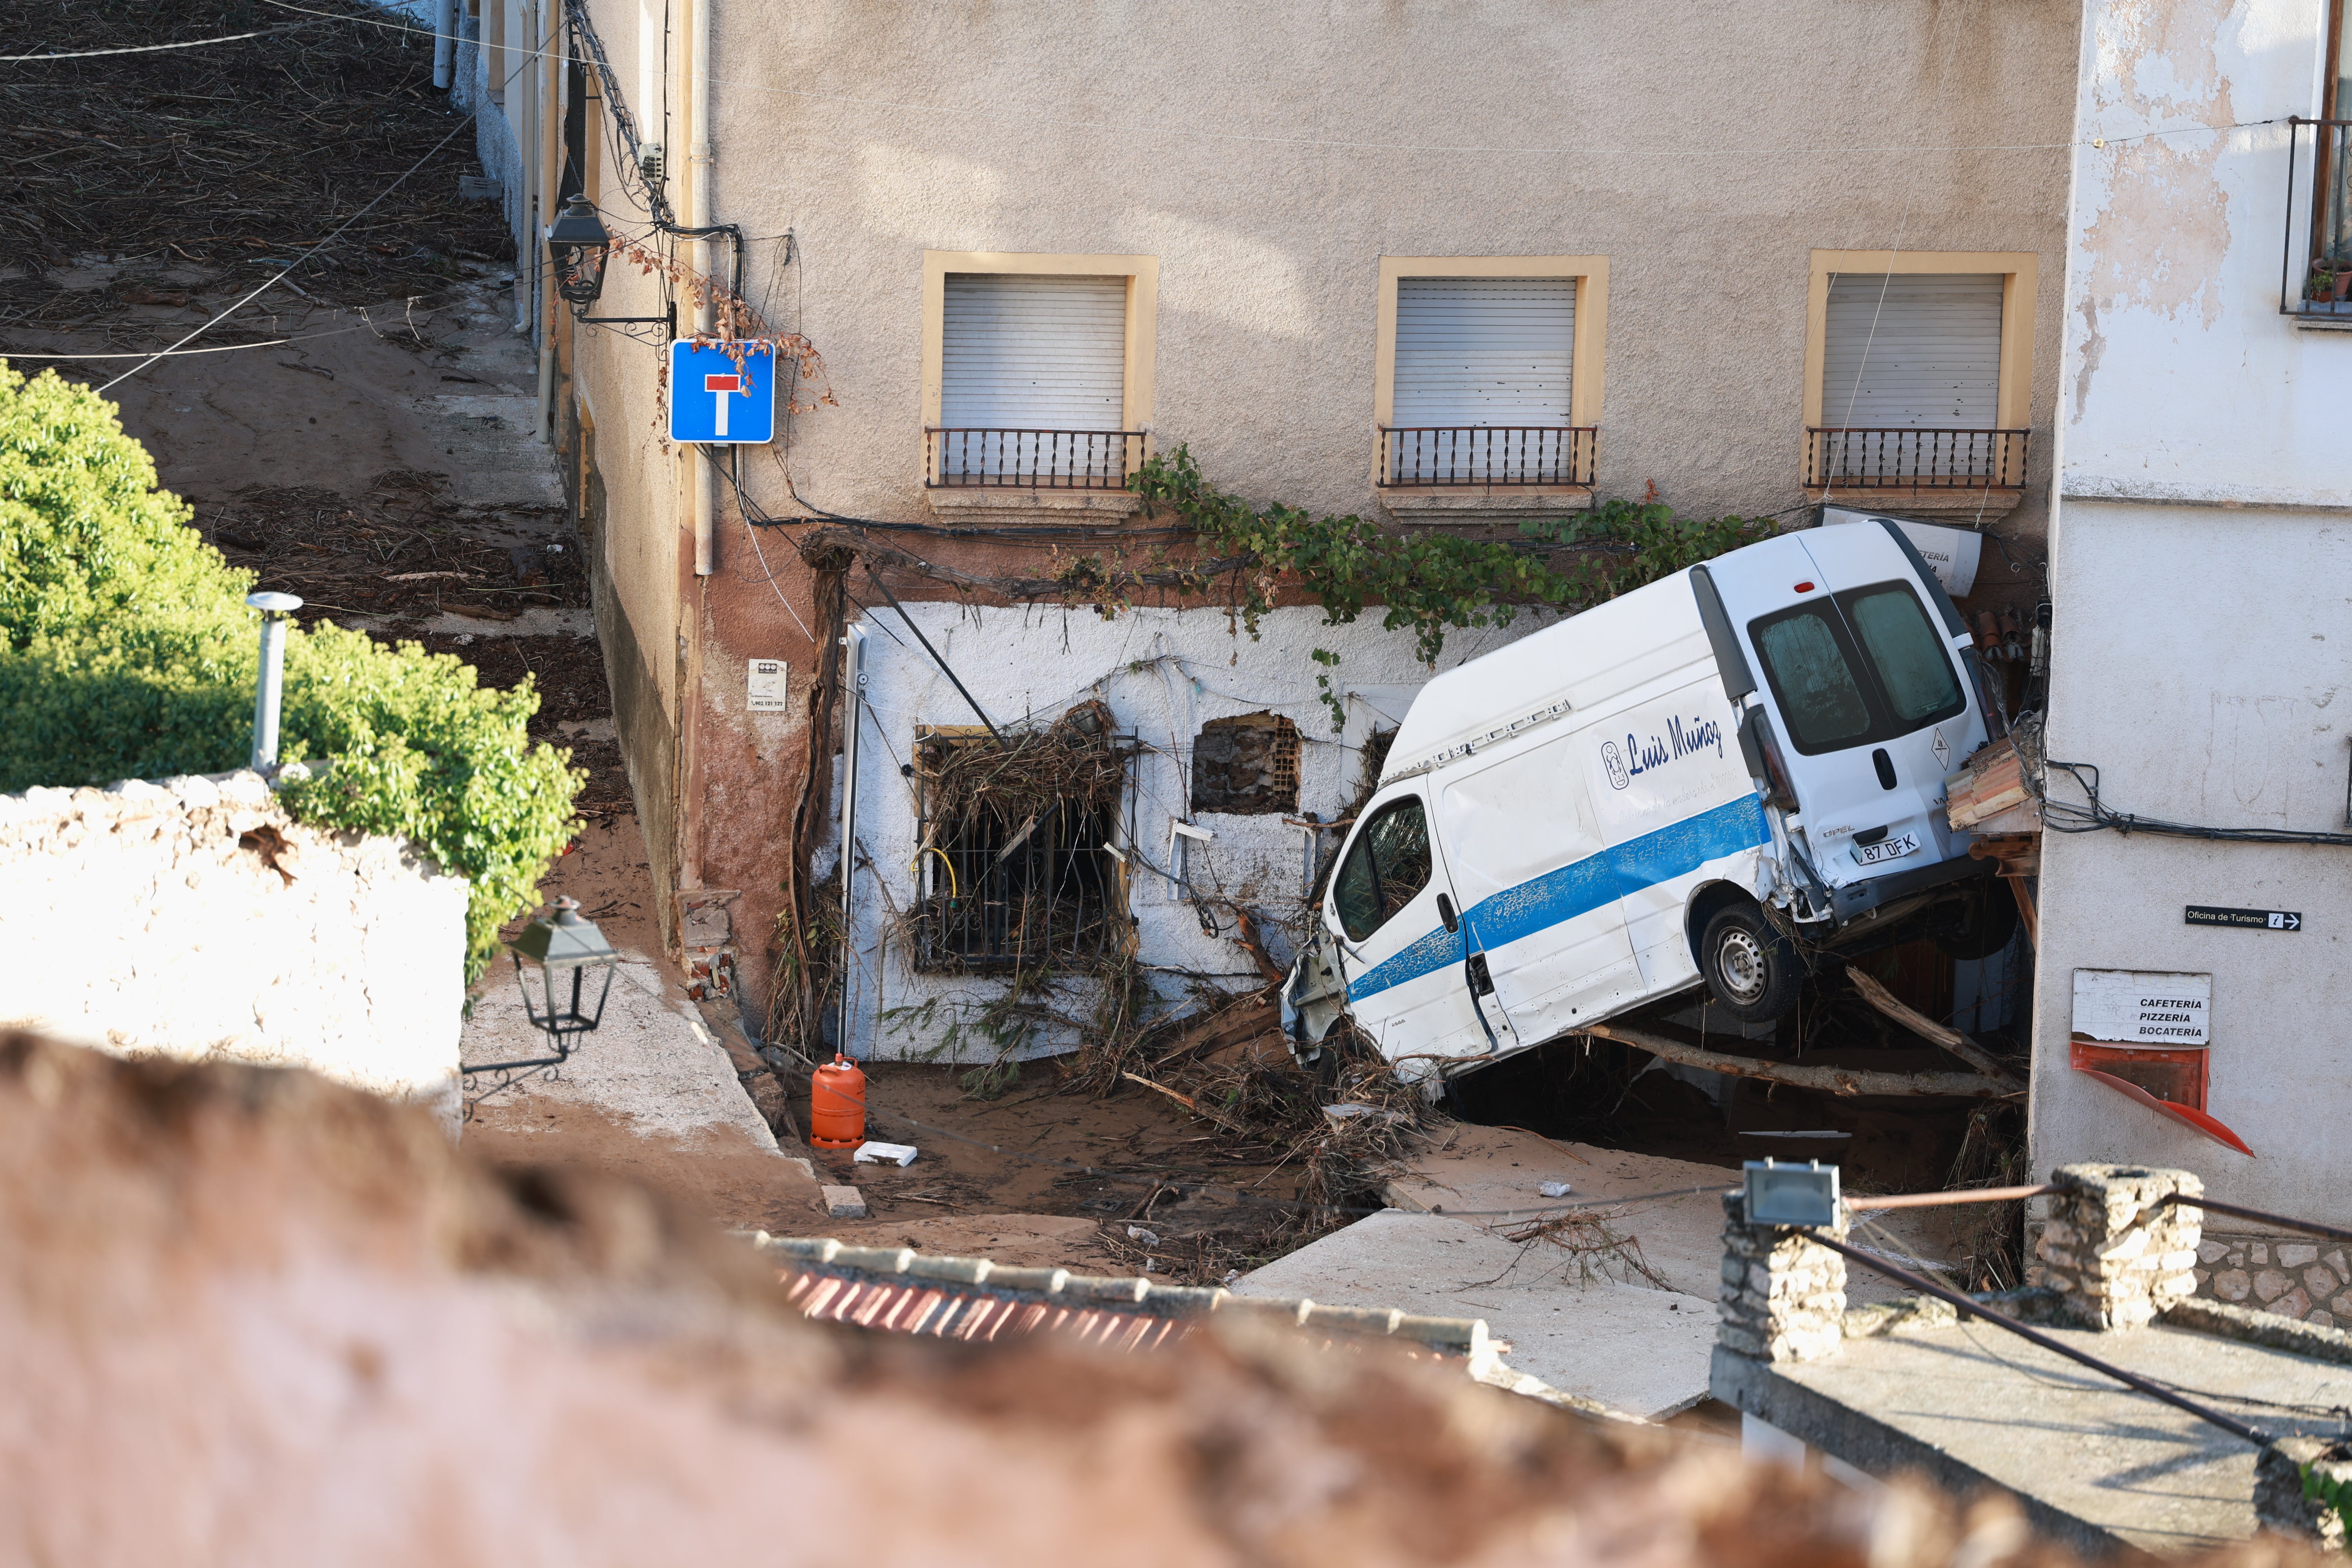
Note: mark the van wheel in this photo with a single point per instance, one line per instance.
(1751, 969)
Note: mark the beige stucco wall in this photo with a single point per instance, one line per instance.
(1269, 156)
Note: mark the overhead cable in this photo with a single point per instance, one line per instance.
(153, 48)
(279, 277)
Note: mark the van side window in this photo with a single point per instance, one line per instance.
(1914, 666)
(1386, 868)
(1816, 685)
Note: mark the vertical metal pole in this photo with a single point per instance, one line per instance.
(445, 42)
(852, 682)
(274, 608)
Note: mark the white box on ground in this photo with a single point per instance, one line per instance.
(873, 1154)
(766, 688)
(844, 1203)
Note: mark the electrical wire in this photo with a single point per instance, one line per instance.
(182, 353)
(280, 276)
(154, 49)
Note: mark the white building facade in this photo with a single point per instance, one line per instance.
(2200, 575)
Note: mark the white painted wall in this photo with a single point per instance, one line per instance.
(2200, 570)
(1164, 673)
(134, 923)
(2182, 382)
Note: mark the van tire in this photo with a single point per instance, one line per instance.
(1750, 969)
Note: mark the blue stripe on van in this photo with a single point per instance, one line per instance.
(1578, 888)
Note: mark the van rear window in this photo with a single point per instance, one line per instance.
(1806, 662)
(1914, 668)
(1861, 666)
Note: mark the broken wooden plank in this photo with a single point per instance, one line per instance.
(1927, 1028)
(1798, 1074)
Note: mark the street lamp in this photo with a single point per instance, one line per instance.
(556, 962)
(560, 963)
(577, 250)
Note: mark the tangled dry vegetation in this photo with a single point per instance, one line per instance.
(205, 169)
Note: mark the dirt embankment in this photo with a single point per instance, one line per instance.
(247, 1317)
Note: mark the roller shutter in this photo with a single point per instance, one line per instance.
(1484, 350)
(1919, 351)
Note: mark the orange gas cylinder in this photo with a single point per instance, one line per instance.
(837, 1105)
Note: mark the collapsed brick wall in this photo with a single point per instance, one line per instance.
(193, 918)
(250, 1317)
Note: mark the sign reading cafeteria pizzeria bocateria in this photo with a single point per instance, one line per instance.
(2141, 1007)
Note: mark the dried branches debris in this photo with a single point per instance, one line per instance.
(403, 550)
(201, 168)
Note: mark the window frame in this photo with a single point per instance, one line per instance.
(1142, 275)
(932, 952)
(1586, 369)
(2020, 272)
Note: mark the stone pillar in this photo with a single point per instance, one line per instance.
(2116, 1253)
(2281, 1504)
(1784, 1296)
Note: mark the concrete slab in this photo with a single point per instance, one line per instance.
(1631, 1347)
(2094, 1463)
(651, 1062)
(1490, 1176)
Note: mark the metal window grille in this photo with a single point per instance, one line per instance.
(1038, 459)
(2315, 269)
(1000, 889)
(1910, 458)
(1487, 454)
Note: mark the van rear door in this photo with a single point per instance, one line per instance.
(1873, 703)
(1389, 905)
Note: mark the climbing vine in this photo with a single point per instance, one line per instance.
(1429, 581)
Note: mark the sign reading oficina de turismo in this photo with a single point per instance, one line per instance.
(723, 394)
(2142, 1007)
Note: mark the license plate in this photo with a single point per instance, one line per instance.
(1886, 850)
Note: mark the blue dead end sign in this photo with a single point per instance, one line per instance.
(723, 394)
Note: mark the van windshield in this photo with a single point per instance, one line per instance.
(1861, 666)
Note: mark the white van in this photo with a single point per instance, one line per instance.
(1681, 786)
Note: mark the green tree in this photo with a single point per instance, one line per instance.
(127, 651)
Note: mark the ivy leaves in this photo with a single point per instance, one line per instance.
(1428, 581)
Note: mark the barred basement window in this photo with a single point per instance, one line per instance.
(1014, 871)
(1246, 766)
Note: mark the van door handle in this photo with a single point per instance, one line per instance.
(1446, 912)
(1885, 766)
(1482, 978)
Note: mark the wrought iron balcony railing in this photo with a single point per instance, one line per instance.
(1908, 458)
(2315, 265)
(1031, 459)
(1422, 455)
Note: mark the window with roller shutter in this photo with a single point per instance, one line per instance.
(1032, 377)
(1482, 384)
(1910, 389)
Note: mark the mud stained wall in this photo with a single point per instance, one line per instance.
(1164, 674)
(195, 918)
(648, 734)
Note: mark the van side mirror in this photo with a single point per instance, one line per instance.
(1446, 912)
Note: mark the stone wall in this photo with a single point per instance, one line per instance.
(195, 918)
(2115, 1248)
(2293, 1275)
